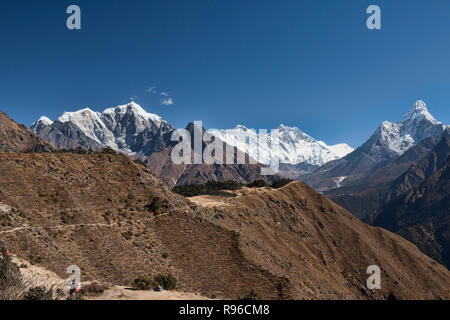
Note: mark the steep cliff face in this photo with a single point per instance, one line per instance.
(422, 213)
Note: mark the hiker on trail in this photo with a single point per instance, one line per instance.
(73, 287)
(4, 249)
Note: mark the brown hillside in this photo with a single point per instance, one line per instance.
(18, 138)
(102, 213)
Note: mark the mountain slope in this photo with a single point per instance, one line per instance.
(98, 211)
(128, 128)
(374, 190)
(389, 141)
(18, 138)
(422, 214)
(179, 174)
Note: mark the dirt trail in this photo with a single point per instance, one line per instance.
(123, 293)
(68, 226)
(38, 276)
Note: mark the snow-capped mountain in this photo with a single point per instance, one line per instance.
(126, 128)
(415, 126)
(295, 146)
(388, 142)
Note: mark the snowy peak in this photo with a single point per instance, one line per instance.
(417, 112)
(296, 147)
(134, 109)
(127, 128)
(397, 137)
(45, 120)
(41, 123)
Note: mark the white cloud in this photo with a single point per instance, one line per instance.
(151, 90)
(167, 101)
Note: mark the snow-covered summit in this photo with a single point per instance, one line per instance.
(41, 123)
(127, 128)
(295, 146)
(45, 120)
(134, 108)
(416, 125)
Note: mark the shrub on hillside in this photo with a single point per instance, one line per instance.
(79, 150)
(12, 285)
(168, 282)
(144, 283)
(39, 293)
(155, 205)
(257, 184)
(280, 183)
(93, 289)
(251, 296)
(108, 150)
(209, 188)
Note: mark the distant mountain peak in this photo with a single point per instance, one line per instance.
(45, 120)
(133, 107)
(419, 110)
(416, 125)
(86, 112)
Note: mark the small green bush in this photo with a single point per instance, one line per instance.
(92, 289)
(214, 188)
(257, 184)
(251, 296)
(144, 283)
(39, 293)
(155, 205)
(280, 183)
(168, 282)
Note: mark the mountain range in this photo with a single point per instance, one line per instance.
(116, 220)
(132, 130)
(374, 182)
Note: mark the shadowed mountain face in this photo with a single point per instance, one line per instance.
(389, 141)
(375, 189)
(422, 215)
(98, 211)
(18, 138)
(417, 204)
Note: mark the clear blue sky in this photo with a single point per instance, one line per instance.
(311, 64)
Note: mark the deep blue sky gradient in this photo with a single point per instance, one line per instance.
(311, 64)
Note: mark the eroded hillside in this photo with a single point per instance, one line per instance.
(115, 220)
